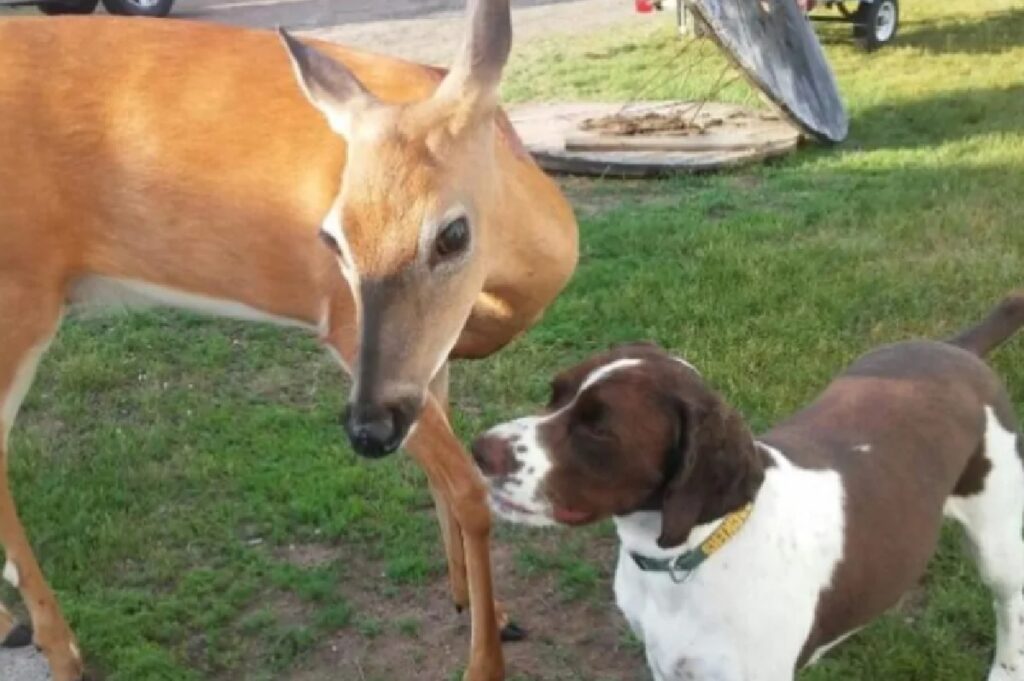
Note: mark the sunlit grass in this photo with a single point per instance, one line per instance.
(161, 461)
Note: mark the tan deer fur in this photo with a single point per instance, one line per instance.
(195, 173)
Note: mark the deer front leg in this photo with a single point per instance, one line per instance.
(451, 473)
(455, 553)
(51, 632)
(461, 499)
(23, 344)
(451, 534)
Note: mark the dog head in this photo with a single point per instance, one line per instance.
(627, 430)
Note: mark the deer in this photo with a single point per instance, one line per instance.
(387, 207)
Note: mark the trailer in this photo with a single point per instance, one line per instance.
(875, 22)
(137, 8)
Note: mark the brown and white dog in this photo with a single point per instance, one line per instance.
(832, 514)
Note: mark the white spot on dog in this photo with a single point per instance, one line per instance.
(773, 570)
(516, 497)
(823, 650)
(992, 521)
(687, 365)
(600, 374)
(863, 448)
(11, 575)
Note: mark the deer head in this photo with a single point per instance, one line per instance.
(410, 224)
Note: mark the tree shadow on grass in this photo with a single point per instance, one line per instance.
(993, 32)
(945, 117)
(989, 33)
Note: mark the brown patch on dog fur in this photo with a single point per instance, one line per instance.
(920, 405)
(651, 436)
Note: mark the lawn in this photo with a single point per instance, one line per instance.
(194, 504)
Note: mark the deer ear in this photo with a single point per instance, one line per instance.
(328, 84)
(475, 76)
(718, 468)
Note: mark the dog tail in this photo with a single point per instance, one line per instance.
(1000, 324)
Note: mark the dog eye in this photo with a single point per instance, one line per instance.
(592, 417)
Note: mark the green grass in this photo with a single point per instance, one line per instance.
(162, 463)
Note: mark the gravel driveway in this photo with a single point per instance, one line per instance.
(422, 30)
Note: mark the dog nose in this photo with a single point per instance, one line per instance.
(493, 455)
(376, 430)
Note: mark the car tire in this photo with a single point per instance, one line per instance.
(76, 7)
(877, 23)
(139, 8)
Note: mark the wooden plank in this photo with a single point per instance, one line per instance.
(664, 143)
(646, 164)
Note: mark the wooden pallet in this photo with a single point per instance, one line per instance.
(732, 135)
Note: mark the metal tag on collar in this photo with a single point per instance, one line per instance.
(678, 575)
(685, 565)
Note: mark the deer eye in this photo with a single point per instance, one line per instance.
(330, 242)
(453, 238)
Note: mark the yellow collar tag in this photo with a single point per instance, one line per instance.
(683, 566)
(728, 528)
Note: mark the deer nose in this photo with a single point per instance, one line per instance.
(493, 456)
(376, 430)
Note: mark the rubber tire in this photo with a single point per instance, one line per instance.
(77, 7)
(127, 8)
(867, 18)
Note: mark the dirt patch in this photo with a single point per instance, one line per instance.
(308, 555)
(414, 632)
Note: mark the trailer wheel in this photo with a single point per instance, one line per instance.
(139, 8)
(877, 23)
(75, 7)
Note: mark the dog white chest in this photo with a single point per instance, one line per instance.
(745, 613)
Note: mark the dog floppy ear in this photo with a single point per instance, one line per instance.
(716, 465)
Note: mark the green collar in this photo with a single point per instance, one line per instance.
(681, 567)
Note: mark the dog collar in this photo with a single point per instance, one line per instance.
(681, 567)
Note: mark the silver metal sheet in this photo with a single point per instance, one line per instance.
(773, 43)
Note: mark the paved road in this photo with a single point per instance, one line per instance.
(318, 13)
(422, 30)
